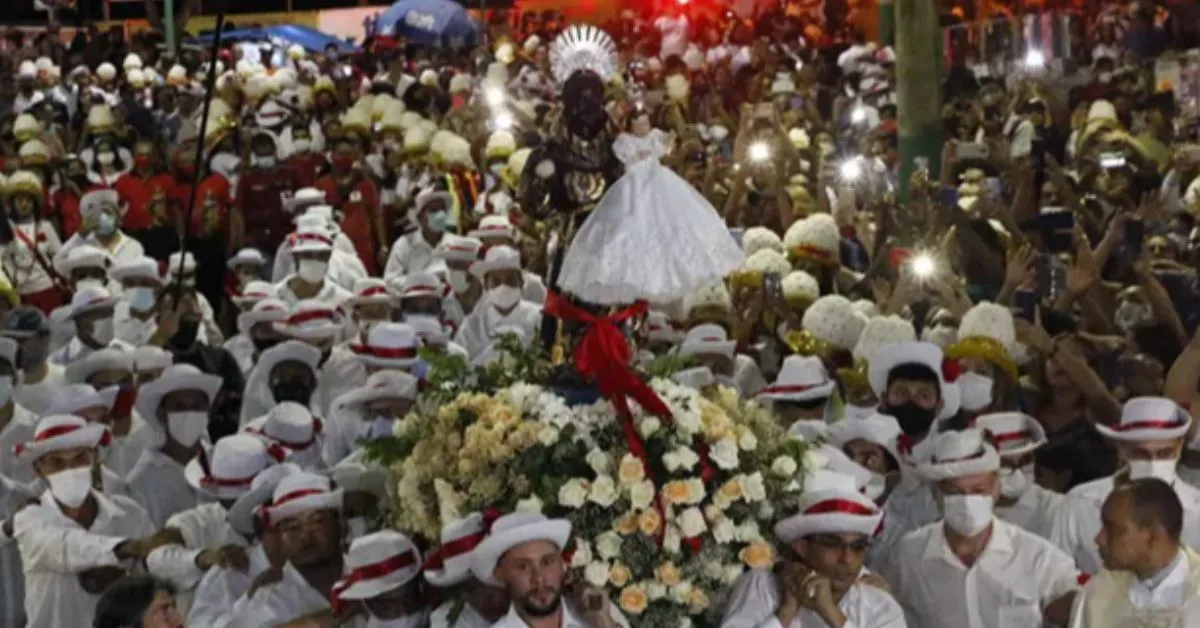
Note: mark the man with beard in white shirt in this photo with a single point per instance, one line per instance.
(74, 541)
(821, 583)
(40, 378)
(414, 252)
(971, 568)
(710, 345)
(134, 314)
(92, 312)
(503, 279)
(1022, 502)
(448, 568)
(381, 588)
(368, 413)
(176, 410)
(311, 249)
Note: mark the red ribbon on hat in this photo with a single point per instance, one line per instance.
(421, 288)
(312, 315)
(288, 497)
(1005, 437)
(61, 430)
(372, 291)
(369, 572)
(843, 506)
(796, 388)
(1147, 425)
(462, 545)
(315, 237)
(384, 352)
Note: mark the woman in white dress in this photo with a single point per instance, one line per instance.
(653, 236)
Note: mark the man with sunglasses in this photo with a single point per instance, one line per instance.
(821, 580)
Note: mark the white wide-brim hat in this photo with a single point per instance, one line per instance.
(377, 563)
(1013, 434)
(958, 454)
(59, 432)
(801, 378)
(242, 513)
(512, 530)
(1148, 418)
(831, 503)
(887, 357)
(175, 378)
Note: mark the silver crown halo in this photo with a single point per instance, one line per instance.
(583, 47)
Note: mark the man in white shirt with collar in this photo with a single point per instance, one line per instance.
(829, 533)
(971, 569)
(1022, 501)
(344, 265)
(501, 305)
(74, 541)
(448, 569)
(1149, 439)
(414, 252)
(311, 249)
(523, 554)
(134, 314)
(92, 312)
(1150, 577)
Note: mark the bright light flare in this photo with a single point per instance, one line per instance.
(923, 266)
(851, 169)
(1035, 59)
(494, 96)
(858, 115)
(759, 151)
(503, 121)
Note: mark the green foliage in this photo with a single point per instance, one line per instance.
(665, 366)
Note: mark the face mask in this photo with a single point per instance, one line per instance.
(875, 486)
(976, 391)
(312, 270)
(343, 162)
(291, 391)
(106, 225)
(72, 486)
(187, 427)
(262, 162)
(141, 298)
(1161, 469)
(439, 220)
(859, 412)
(185, 335)
(102, 331)
(1014, 482)
(504, 296)
(142, 162)
(458, 280)
(913, 419)
(1106, 77)
(84, 284)
(967, 515)
(302, 146)
(105, 159)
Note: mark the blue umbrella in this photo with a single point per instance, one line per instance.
(430, 22)
(285, 35)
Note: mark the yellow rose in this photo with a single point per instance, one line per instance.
(697, 600)
(758, 555)
(627, 524)
(631, 470)
(668, 574)
(466, 466)
(731, 490)
(676, 492)
(650, 522)
(619, 575)
(633, 600)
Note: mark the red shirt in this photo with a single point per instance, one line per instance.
(260, 202)
(309, 168)
(210, 215)
(136, 193)
(63, 212)
(357, 204)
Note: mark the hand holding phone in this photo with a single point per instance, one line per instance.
(1135, 233)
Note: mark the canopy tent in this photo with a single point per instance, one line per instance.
(430, 23)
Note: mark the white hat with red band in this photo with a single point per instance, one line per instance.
(659, 327)
(299, 494)
(91, 299)
(175, 378)
(376, 564)
(150, 357)
(369, 290)
(707, 339)
(311, 240)
(228, 469)
(243, 511)
(454, 248)
(303, 199)
(106, 359)
(1012, 433)
(450, 563)
(73, 398)
(84, 256)
(1149, 418)
(801, 378)
(422, 284)
(389, 346)
(889, 356)
(494, 226)
(958, 454)
(697, 377)
(879, 429)
(290, 425)
(497, 258)
(137, 268)
(429, 329)
(385, 385)
(831, 504)
(254, 292)
(510, 531)
(311, 319)
(56, 432)
(248, 256)
(268, 310)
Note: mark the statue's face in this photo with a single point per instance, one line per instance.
(583, 105)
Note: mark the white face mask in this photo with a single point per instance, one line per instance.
(187, 427)
(72, 486)
(141, 298)
(312, 270)
(84, 284)
(967, 515)
(875, 486)
(1014, 482)
(859, 412)
(102, 330)
(504, 296)
(976, 391)
(458, 280)
(262, 162)
(1161, 469)
(105, 159)
(302, 146)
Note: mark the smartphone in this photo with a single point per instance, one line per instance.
(1135, 232)
(1112, 160)
(972, 150)
(1026, 304)
(1059, 242)
(1056, 221)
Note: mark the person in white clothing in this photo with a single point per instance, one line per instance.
(414, 252)
(285, 372)
(344, 265)
(499, 231)
(248, 266)
(129, 435)
(74, 541)
(825, 585)
(449, 569)
(381, 583)
(294, 432)
(149, 362)
(256, 332)
(710, 345)
(422, 296)
(16, 423)
(1022, 501)
(101, 211)
(321, 325)
(40, 378)
(241, 345)
(134, 314)
(457, 254)
(1149, 441)
(523, 554)
(971, 568)
(92, 312)
(502, 278)
(368, 413)
(176, 410)
(13, 497)
(28, 257)
(311, 249)
(800, 393)
(370, 307)
(436, 337)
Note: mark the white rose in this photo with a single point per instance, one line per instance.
(681, 592)
(685, 622)
(691, 523)
(548, 435)
(713, 570)
(724, 531)
(784, 466)
(753, 487)
(641, 495)
(649, 426)
(792, 487)
(748, 441)
(696, 488)
(596, 574)
(687, 458)
(582, 555)
(672, 540)
(608, 544)
(748, 532)
(713, 513)
(725, 454)
(598, 461)
(573, 493)
(656, 590)
(544, 170)
(687, 422)
(814, 459)
(732, 573)
(766, 511)
(671, 462)
(531, 505)
(604, 491)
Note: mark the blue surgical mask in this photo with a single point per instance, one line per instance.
(439, 220)
(107, 224)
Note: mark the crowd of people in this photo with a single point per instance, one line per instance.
(997, 357)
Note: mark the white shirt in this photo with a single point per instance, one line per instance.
(18, 431)
(341, 431)
(241, 347)
(220, 588)
(569, 618)
(340, 374)
(55, 550)
(27, 274)
(330, 293)
(202, 528)
(1017, 575)
(157, 483)
(410, 253)
(289, 599)
(36, 397)
(479, 328)
(344, 264)
(12, 581)
(75, 349)
(124, 451)
(134, 331)
(122, 249)
(468, 617)
(754, 602)
(1034, 511)
(1078, 521)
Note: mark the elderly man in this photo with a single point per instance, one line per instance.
(830, 534)
(449, 570)
(75, 540)
(1022, 502)
(1149, 439)
(970, 568)
(1149, 574)
(175, 408)
(502, 305)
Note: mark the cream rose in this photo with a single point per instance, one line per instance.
(631, 470)
(656, 590)
(681, 592)
(633, 600)
(531, 505)
(725, 454)
(608, 545)
(691, 523)
(596, 574)
(748, 532)
(598, 461)
(619, 575)
(753, 487)
(671, 540)
(724, 531)
(649, 427)
(604, 491)
(784, 466)
(574, 493)
(548, 435)
(641, 495)
(583, 554)
(747, 440)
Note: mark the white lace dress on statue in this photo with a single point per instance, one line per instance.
(652, 237)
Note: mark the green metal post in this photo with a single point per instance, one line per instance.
(918, 86)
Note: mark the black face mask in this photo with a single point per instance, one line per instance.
(913, 419)
(292, 391)
(185, 335)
